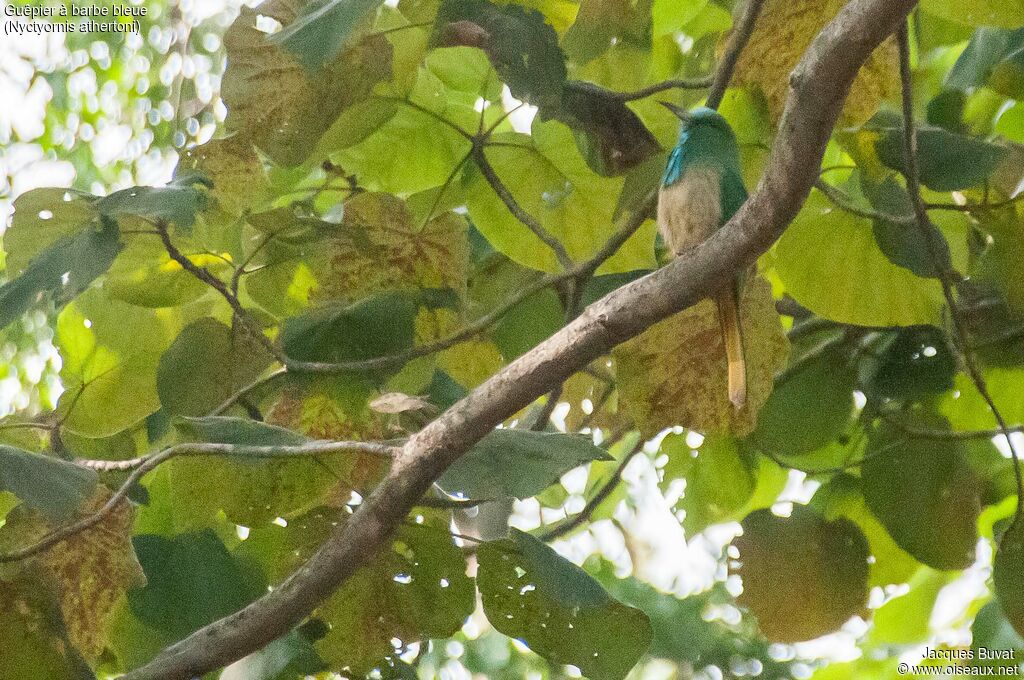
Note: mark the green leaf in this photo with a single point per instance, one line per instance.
(144, 274)
(908, 364)
(905, 620)
(902, 243)
(1008, 574)
(992, 631)
(64, 269)
(518, 463)
(432, 149)
(205, 365)
(529, 323)
(669, 17)
(55, 487)
(522, 47)
(1003, 13)
(192, 580)
(926, 496)
(378, 326)
(719, 480)
(116, 398)
(531, 593)
(947, 161)
(176, 203)
(41, 218)
(319, 33)
(802, 576)
(241, 431)
(809, 408)
(250, 491)
(843, 496)
(988, 47)
(864, 288)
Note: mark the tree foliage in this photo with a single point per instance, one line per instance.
(382, 206)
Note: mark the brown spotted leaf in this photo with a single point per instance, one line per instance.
(782, 34)
(88, 572)
(675, 372)
(803, 577)
(279, 105)
(380, 246)
(33, 638)
(234, 168)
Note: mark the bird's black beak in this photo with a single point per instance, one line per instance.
(681, 113)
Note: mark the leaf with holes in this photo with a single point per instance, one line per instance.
(531, 593)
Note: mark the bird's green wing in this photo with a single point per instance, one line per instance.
(733, 194)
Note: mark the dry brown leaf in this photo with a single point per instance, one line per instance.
(675, 372)
(782, 34)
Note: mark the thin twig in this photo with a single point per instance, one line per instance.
(461, 335)
(924, 224)
(723, 74)
(602, 494)
(841, 200)
(480, 156)
(674, 84)
(209, 279)
(146, 464)
(947, 435)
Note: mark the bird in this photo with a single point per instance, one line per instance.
(701, 189)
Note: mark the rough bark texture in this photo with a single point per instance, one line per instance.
(818, 87)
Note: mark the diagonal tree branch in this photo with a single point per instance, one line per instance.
(818, 88)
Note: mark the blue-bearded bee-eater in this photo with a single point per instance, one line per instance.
(702, 188)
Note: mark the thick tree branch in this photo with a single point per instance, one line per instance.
(818, 88)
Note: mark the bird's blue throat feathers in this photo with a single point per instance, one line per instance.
(702, 142)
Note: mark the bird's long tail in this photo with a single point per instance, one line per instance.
(732, 335)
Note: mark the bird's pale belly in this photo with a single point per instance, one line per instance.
(690, 210)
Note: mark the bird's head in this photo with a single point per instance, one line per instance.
(698, 117)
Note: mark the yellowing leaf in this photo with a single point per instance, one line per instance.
(380, 247)
(88, 572)
(675, 373)
(239, 180)
(782, 34)
(802, 576)
(33, 638)
(273, 100)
